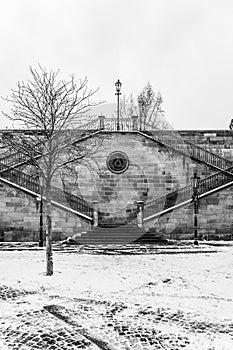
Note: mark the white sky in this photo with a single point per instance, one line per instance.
(183, 47)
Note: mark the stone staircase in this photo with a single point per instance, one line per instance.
(153, 208)
(61, 199)
(64, 200)
(176, 143)
(183, 196)
(167, 138)
(122, 234)
(15, 160)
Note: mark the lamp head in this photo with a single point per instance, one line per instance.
(195, 181)
(118, 86)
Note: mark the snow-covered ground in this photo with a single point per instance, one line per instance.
(182, 301)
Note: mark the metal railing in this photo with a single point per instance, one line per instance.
(181, 195)
(175, 141)
(15, 159)
(166, 137)
(125, 124)
(58, 195)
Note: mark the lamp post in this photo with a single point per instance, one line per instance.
(118, 93)
(231, 128)
(140, 102)
(195, 184)
(140, 207)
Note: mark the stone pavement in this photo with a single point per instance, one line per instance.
(143, 319)
(100, 324)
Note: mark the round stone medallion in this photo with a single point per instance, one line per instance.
(117, 162)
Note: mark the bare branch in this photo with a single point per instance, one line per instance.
(50, 111)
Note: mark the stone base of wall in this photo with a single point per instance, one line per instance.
(28, 236)
(19, 219)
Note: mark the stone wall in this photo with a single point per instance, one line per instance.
(217, 141)
(153, 170)
(215, 218)
(19, 218)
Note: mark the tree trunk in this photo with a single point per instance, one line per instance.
(49, 253)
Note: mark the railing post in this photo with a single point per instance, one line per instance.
(134, 122)
(101, 121)
(95, 213)
(140, 206)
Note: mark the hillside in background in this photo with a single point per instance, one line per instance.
(106, 109)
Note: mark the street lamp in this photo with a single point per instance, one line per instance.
(118, 89)
(140, 207)
(195, 185)
(231, 128)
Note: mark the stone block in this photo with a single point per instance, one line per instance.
(57, 235)
(8, 235)
(23, 236)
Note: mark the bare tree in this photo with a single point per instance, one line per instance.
(53, 109)
(148, 107)
(149, 104)
(128, 106)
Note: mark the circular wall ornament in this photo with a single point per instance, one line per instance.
(117, 162)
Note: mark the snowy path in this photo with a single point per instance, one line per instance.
(149, 302)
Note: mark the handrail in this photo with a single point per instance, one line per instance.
(167, 138)
(125, 124)
(14, 158)
(8, 171)
(185, 193)
(63, 197)
(196, 151)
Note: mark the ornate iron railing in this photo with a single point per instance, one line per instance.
(175, 141)
(57, 195)
(8, 171)
(181, 195)
(166, 137)
(14, 159)
(125, 124)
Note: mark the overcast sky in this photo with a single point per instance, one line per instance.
(183, 47)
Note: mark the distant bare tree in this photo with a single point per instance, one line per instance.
(53, 109)
(149, 103)
(148, 107)
(128, 106)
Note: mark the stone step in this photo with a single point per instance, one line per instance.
(122, 234)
